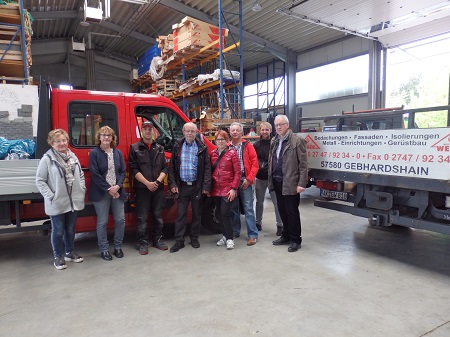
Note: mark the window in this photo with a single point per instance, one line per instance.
(343, 78)
(417, 77)
(261, 95)
(168, 126)
(86, 118)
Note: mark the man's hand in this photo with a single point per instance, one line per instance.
(245, 184)
(152, 186)
(174, 190)
(300, 189)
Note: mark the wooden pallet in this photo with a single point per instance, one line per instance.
(167, 87)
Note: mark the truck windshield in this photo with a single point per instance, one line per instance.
(168, 126)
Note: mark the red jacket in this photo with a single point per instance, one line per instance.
(250, 161)
(227, 173)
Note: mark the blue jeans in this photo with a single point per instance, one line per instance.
(246, 198)
(63, 233)
(102, 209)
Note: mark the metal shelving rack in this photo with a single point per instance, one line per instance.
(13, 25)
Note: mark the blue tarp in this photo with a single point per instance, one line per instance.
(24, 148)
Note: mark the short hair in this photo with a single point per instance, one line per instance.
(222, 133)
(285, 118)
(55, 133)
(266, 124)
(238, 124)
(106, 129)
(190, 123)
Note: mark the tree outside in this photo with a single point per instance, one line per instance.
(418, 75)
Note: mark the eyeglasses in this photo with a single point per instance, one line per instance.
(59, 141)
(279, 125)
(106, 135)
(220, 140)
(190, 131)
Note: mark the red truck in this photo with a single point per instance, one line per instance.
(82, 113)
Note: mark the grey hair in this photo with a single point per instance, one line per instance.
(284, 117)
(238, 124)
(190, 123)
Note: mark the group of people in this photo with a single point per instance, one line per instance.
(227, 174)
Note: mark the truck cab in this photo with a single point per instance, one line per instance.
(82, 113)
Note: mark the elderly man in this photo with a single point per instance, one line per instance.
(190, 178)
(288, 175)
(249, 166)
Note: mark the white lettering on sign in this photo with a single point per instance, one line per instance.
(421, 153)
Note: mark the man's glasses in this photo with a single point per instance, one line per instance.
(279, 125)
(190, 131)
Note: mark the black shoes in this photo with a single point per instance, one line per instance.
(279, 231)
(294, 247)
(118, 253)
(106, 256)
(195, 243)
(281, 241)
(143, 249)
(259, 227)
(177, 246)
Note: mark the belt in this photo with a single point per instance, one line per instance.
(189, 183)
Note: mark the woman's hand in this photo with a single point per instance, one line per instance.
(232, 195)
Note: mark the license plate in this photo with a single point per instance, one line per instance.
(334, 195)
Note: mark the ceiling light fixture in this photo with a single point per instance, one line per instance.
(256, 6)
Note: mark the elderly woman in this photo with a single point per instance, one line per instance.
(108, 171)
(226, 174)
(60, 180)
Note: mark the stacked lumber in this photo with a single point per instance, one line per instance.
(13, 62)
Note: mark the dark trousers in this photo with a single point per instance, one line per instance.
(146, 202)
(223, 209)
(188, 194)
(289, 212)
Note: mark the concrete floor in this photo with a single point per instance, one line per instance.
(347, 280)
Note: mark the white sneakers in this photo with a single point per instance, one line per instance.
(223, 241)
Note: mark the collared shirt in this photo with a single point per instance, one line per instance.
(238, 148)
(280, 144)
(189, 162)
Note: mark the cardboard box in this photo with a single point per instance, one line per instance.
(189, 23)
(195, 42)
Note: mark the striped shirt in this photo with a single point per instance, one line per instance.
(189, 162)
(239, 149)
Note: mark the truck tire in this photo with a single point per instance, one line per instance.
(210, 224)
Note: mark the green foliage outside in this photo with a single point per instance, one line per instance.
(424, 88)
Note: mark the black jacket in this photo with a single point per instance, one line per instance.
(149, 162)
(203, 168)
(262, 147)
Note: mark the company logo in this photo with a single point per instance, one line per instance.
(311, 144)
(443, 144)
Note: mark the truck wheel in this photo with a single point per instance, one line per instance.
(45, 232)
(210, 224)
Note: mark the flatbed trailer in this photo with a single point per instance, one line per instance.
(391, 175)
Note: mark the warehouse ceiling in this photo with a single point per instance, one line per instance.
(271, 29)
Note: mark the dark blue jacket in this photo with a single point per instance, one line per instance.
(98, 165)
